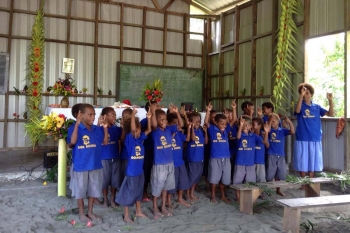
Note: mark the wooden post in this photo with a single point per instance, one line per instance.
(253, 61)
(221, 62)
(97, 8)
(306, 35)
(121, 31)
(9, 43)
(236, 69)
(247, 199)
(291, 220)
(69, 15)
(165, 37)
(209, 50)
(346, 83)
(143, 35)
(185, 36)
(274, 36)
(312, 190)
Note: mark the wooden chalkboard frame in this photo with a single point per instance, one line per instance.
(158, 66)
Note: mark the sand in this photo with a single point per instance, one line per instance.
(32, 207)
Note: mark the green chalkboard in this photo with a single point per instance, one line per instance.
(179, 85)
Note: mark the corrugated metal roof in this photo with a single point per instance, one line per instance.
(218, 6)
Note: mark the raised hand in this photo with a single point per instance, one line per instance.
(189, 125)
(303, 91)
(259, 111)
(174, 108)
(205, 128)
(100, 120)
(330, 96)
(241, 122)
(226, 113)
(233, 104)
(149, 114)
(267, 127)
(209, 107)
(134, 111)
(104, 122)
(79, 117)
(286, 118)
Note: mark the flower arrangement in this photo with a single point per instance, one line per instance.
(55, 126)
(153, 92)
(64, 87)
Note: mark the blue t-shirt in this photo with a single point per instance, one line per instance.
(276, 140)
(123, 153)
(162, 144)
(87, 150)
(260, 152)
(111, 150)
(309, 122)
(195, 149)
(219, 142)
(265, 118)
(246, 149)
(148, 143)
(177, 143)
(136, 154)
(232, 139)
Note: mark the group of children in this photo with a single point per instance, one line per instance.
(129, 157)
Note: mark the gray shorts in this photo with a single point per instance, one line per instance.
(276, 167)
(111, 173)
(219, 169)
(260, 173)
(72, 182)
(244, 173)
(162, 178)
(88, 183)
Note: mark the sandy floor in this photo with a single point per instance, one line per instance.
(33, 207)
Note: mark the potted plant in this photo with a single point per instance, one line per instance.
(84, 90)
(243, 92)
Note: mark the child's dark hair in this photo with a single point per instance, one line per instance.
(75, 110)
(275, 115)
(212, 111)
(246, 118)
(307, 86)
(268, 105)
(127, 111)
(259, 121)
(220, 116)
(83, 107)
(170, 117)
(245, 104)
(147, 105)
(106, 110)
(127, 124)
(159, 112)
(193, 115)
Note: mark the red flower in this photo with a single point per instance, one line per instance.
(62, 116)
(15, 114)
(149, 97)
(147, 92)
(159, 99)
(156, 92)
(37, 49)
(35, 83)
(36, 69)
(89, 224)
(127, 102)
(37, 54)
(34, 107)
(35, 92)
(36, 64)
(62, 210)
(72, 222)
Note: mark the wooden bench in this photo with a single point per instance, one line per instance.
(292, 208)
(249, 193)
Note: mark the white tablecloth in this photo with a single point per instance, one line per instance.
(141, 113)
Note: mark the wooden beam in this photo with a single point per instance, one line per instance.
(9, 43)
(307, 4)
(275, 4)
(253, 61)
(221, 61)
(165, 37)
(155, 3)
(209, 60)
(185, 36)
(97, 9)
(228, 6)
(121, 31)
(69, 14)
(143, 43)
(236, 60)
(190, 2)
(167, 5)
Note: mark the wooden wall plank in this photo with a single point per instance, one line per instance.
(121, 31)
(236, 67)
(97, 9)
(185, 36)
(165, 37)
(253, 60)
(144, 21)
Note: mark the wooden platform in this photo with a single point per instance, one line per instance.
(249, 193)
(292, 208)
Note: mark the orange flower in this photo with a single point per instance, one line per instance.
(36, 69)
(35, 92)
(36, 76)
(35, 83)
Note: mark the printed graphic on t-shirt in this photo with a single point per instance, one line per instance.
(164, 143)
(245, 145)
(137, 153)
(307, 113)
(175, 147)
(219, 138)
(86, 141)
(273, 138)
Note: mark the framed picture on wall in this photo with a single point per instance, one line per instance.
(68, 65)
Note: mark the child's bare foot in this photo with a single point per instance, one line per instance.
(213, 200)
(157, 214)
(280, 193)
(94, 217)
(84, 218)
(114, 204)
(128, 219)
(182, 202)
(105, 204)
(142, 215)
(166, 212)
(226, 200)
(170, 206)
(194, 198)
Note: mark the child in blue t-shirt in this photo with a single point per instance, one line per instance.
(219, 163)
(86, 139)
(259, 158)
(132, 187)
(126, 114)
(276, 164)
(195, 153)
(180, 171)
(162, 174)
(246, 143)
(110, 157)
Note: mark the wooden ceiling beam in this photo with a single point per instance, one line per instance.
(167, 5)
(190, 2)
(230, 5)
(155, 3)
